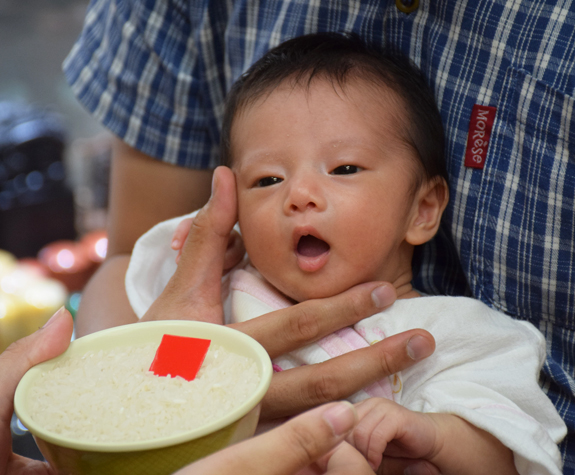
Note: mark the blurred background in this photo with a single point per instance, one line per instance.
(54, 164)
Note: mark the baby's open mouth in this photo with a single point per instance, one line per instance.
(310, 246)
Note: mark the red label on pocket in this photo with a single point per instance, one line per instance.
(480, 126)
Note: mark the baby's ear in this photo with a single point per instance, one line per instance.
(428, 206)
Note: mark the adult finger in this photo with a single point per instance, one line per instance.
(203, 252)
(402, 466)
(290, 328)
(181, 233)
(345, 460)
(48, 342)
(286, 449)
(298, 389)
(235, 250)
(194, 291)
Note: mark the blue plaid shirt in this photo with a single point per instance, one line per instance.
(155, 72)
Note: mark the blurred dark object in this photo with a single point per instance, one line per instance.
(91, 195)
(36, 205)
(22, 441)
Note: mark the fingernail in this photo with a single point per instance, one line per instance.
(418, 348)
(341, 418)
(175, 243)
(55, 316)
(214, 183)
(383, 296)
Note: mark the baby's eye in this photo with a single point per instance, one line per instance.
(346, 170)
(268, 181)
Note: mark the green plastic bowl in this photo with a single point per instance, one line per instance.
(157, 456)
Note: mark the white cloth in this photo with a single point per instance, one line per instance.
(485, 367)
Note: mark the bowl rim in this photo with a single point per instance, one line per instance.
(36, 430)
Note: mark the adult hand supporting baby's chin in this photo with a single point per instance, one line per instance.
(194, 293)
(298, 389)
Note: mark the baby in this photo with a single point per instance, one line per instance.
(337, 150)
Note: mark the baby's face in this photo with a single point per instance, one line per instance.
(324, 188)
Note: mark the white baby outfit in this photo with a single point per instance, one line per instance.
(485, 368)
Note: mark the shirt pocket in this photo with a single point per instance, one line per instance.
(523, 240)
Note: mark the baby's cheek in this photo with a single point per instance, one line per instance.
(368, 258)
(363, 240)
(251, 230)
(265, 251)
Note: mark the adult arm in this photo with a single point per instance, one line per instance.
(143, 192)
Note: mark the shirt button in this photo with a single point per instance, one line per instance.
(407, 6)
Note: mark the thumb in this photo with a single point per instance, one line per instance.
(46, 343)
(286, 449)
(345, 459)
(203, 253)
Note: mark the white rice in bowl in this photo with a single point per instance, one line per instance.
(110, 396)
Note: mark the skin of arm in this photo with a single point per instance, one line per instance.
(389, 435)
(143, 192)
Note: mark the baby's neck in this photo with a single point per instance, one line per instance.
(403, 286)
(408, 294)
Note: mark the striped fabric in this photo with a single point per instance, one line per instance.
(155, 72)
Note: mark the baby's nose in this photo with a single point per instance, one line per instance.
(305, 195)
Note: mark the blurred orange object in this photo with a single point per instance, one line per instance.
(95, 244)
(68, 262)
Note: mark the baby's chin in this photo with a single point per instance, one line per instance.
(303, 293)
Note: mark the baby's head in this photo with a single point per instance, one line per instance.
(337, 150)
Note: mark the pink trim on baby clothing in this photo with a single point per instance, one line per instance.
(249, 280)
